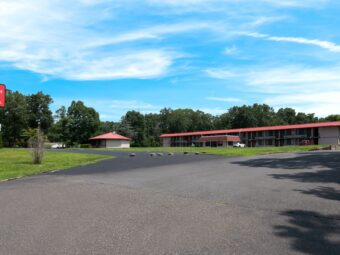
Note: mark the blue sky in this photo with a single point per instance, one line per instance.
(120, 55)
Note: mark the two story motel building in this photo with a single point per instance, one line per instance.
(311, 133)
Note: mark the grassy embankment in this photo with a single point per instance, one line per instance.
(229, 152)
(17, 162)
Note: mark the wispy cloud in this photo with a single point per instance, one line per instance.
(225, 99)
(230, 51)
(58, 40)
(220, 73)
(331, 46)
(304, 88)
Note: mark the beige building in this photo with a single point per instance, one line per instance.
(110, 140)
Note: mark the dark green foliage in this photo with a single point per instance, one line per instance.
(59, 130)
(38, 111)
(81, 123)
(333, 117)
(14, 119)
(24, 112)
(106, 127)
(85, 146)
(1, 141)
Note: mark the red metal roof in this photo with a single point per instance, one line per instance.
(110, 136)
(239, 130)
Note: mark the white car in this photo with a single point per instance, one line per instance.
(239, 145)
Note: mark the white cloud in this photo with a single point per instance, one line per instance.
(129, 105)
(213, 111)
(225, 99)
(55, 39)
(321, 103)
(220, 73)
(231, 50)
(303, 88)
(322, 44)
(277, 3)
(331, 46)
(153, 32)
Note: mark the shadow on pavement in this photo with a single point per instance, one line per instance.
(323, 192)
(311, 232)
(330, 160)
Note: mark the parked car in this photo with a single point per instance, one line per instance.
(239, 145)
(307, 142)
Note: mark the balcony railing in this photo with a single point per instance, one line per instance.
(295, 136)
(264, 137)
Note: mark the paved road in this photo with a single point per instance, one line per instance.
(182, 204)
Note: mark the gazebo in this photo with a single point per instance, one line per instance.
(110, 140)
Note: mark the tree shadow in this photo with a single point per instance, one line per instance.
(311, 232)
(322, 176)
(328, 162)
(323, 192)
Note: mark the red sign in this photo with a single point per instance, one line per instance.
(2, 95)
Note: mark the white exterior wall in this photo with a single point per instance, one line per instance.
(117, 144)
(329, 135)
(166, 142)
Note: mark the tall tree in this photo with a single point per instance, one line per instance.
(106, 127)
(38, 111)
(135, 120)
(59, 130)
(82, 122)
(286, 116)
(14, 119)
(333, 117)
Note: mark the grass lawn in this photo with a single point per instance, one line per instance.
(17, 162)
(229, 151)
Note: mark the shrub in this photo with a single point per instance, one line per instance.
(85, 146)
(36, 143)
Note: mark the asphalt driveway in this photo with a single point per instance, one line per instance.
(181, 204)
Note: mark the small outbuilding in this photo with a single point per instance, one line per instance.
(110, 140)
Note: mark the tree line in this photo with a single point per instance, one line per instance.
(75, 124)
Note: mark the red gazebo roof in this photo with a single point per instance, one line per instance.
(110, 136)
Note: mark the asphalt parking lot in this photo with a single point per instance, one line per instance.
(182, 204)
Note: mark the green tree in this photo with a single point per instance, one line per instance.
(135, 121)
(59, 130)
(286, 116)
(82, 122)
(106, 127)
(38, 111)
(14, 119)
(302, 118)
(333, 117)
(242, 117)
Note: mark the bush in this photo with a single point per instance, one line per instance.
(36, 143)
(85, 146)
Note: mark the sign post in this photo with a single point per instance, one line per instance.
(2, 96)
(2, 99)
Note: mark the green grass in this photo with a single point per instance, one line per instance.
(17, 162)
(229, 152)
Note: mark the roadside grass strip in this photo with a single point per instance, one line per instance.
(228, 152)
(17, 163)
